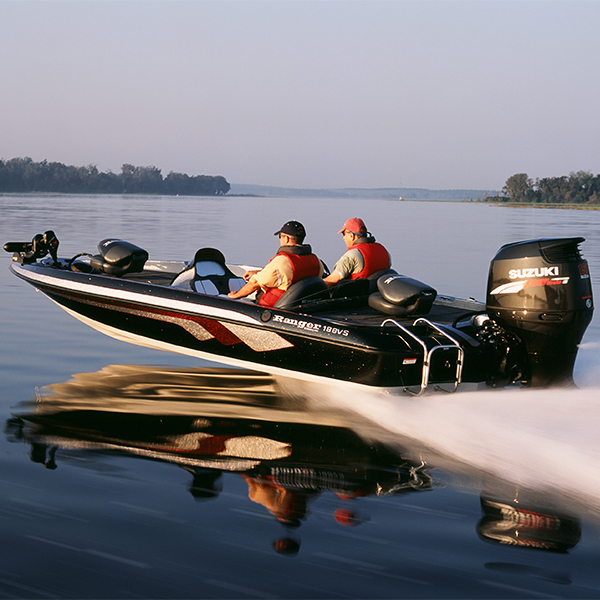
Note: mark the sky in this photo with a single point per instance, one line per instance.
(306, 94)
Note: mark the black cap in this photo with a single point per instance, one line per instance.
(293, 228)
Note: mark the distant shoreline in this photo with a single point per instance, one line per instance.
(387, 193)
(544, 205)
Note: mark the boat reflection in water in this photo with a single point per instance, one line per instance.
(210, 421)
(288, 449)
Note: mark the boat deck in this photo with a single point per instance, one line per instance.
(445, 310)
(365, 315)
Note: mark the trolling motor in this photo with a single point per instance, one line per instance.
(40, 246)
(540, 292)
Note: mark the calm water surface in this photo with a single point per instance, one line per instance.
(130, 473)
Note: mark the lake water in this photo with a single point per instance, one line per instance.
(118, 493)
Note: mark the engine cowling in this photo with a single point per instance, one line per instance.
(540, 290)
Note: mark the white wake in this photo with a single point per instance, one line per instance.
(546, 440)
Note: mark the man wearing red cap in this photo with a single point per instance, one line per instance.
(293, 261)
(364, 256)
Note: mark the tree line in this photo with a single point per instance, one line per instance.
(25, 175)
(578, 188)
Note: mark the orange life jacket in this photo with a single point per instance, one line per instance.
(307, 265)
(375, 258)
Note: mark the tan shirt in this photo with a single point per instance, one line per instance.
(276, 274)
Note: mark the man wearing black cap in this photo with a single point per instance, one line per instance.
(293, 261)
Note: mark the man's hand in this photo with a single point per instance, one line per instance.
(246, 290)
(332, 279)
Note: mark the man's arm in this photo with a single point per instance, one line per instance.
(249, 274)
(245, 290)
(349, 263)
(332, 279)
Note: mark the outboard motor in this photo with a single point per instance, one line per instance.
(540, 291)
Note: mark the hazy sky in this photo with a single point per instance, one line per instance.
(306, 94)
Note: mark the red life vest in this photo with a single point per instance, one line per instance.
(375, 258)
(307, 265)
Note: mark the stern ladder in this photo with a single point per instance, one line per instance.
(428, 353)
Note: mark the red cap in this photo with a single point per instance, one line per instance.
(355, 225)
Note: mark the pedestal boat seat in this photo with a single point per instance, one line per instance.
(208, 274)
(402, 296)
(118, 257)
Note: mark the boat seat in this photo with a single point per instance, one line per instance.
(208, 274)
(118, 257)
(374, 278)
(402, 296)
(313, 288)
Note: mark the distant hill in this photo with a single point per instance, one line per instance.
(375, 193)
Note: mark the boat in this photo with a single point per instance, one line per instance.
(389, 332)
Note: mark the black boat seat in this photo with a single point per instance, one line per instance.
(118, 257)
(374, 278)
(208, 274)
(313, 288)
(402, 296)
